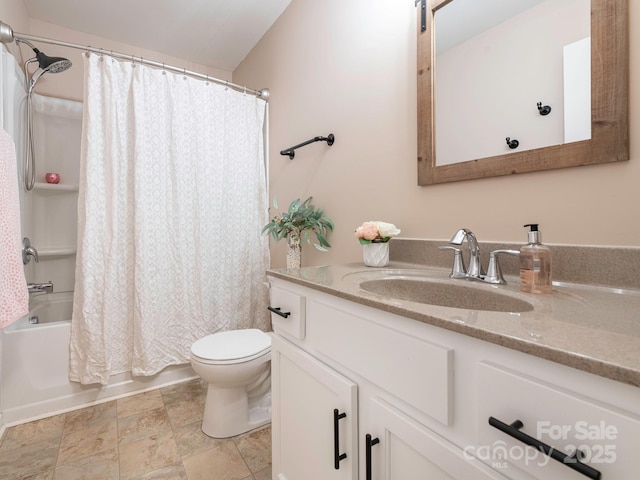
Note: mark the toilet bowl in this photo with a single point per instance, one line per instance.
(236, 365)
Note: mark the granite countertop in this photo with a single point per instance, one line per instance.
(594, 329)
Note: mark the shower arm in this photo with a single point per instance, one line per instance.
(7, 35)
(22, 40)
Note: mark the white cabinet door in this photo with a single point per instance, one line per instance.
(403, 449)
(314, 418)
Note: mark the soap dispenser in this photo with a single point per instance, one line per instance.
(535, 263)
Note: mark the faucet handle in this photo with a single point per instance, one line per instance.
(494, 273)
(28, 251)
(458, 270)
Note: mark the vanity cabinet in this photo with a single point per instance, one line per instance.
(422, 402)
(351, 396)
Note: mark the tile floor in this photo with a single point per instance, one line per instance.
(154, 435)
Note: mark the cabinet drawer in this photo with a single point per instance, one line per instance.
(415, 371)
(606, 436)
(293, 304)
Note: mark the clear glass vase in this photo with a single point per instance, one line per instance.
(294, 253)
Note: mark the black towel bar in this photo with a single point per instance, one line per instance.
(290, 151)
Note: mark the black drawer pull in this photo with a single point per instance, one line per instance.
(370, 443)
(337, 457)
(278, 312)
(571, 461)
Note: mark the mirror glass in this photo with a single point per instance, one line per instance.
(551, 76)
(495, 60)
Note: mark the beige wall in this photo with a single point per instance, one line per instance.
(349, 68)
(70, 83)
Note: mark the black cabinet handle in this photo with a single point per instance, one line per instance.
(337, 457)
(278, 312)
(370, 443)
(571, 461)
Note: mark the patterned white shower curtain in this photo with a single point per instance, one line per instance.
(171, 204)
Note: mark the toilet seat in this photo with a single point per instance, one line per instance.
(234, 346)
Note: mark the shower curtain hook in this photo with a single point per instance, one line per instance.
(184, 73)
(207, 82)
(133, 62)
(164, 72)
(226, 85)
(245, 90)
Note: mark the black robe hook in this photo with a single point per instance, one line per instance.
(546, 110)
(512, 143)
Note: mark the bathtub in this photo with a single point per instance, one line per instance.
(49, 310)
(35, 366)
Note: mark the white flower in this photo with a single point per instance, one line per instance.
(387, 229)
(376, 232)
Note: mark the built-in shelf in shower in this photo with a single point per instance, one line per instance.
(55, 187)
(49, 252)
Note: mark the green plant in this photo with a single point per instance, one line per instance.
(298, 221)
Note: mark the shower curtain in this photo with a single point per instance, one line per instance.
(171, 203)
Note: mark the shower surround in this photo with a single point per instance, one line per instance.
(49, 215)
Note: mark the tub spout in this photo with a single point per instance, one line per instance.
(46, 287)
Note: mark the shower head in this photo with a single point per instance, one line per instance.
(52, 64)
(48, 64)
(45, 63)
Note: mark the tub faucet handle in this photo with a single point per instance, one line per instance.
(28, 251)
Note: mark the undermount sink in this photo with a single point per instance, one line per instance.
(421, 288)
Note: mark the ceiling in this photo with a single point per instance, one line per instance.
(216, 33)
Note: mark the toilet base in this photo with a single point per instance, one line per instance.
(230, 411)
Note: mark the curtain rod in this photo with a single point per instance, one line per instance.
(7, 35)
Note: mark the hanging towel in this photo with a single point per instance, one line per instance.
(14, 296)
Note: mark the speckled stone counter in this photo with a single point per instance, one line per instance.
(594, 329)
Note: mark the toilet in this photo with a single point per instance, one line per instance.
(236, 364)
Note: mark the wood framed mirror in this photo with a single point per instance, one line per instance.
(609, 136)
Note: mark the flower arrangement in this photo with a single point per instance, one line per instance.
(376, 232)
(297, 222)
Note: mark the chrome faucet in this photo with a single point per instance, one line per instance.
(475, 267)
(28, 251)
(475, 271)
(46, 287)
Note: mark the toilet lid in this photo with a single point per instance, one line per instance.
(231, 345)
